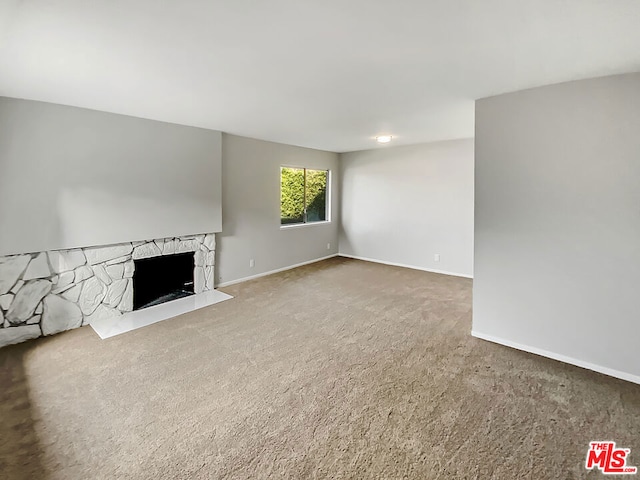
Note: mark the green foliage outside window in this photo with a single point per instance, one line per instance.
(292, 195)
(303, 195)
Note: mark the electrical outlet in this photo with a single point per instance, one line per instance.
(252, 263)
(328, 246)
(436, 257)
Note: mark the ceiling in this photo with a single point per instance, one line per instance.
(327, 74)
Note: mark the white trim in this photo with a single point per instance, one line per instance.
(271, 272)
(304, 224)
(629, 377)
(413, 267)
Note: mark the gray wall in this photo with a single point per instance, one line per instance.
(557, 226)
(251, 210)
(405, 204)
(72, 177)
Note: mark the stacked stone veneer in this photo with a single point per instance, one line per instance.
(49, 292)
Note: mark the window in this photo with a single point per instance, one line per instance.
(303, 195)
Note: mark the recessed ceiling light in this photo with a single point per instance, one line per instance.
(383, 138)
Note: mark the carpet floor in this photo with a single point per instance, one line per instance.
(342, 369)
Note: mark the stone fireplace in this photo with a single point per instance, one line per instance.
(48, 292)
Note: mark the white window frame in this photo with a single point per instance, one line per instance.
(327, 194)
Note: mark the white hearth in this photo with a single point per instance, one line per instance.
(148, 316)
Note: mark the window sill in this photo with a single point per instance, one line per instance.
(302, 225)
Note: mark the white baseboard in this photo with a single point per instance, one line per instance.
(561, 358)
(271, 272)
(413, 267)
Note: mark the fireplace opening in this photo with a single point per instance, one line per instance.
(160, 279)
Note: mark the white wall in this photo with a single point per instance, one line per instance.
(251, 210)
(557, 238)
(72, 177)
(405, 204)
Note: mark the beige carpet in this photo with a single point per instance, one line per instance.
(343, 369)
